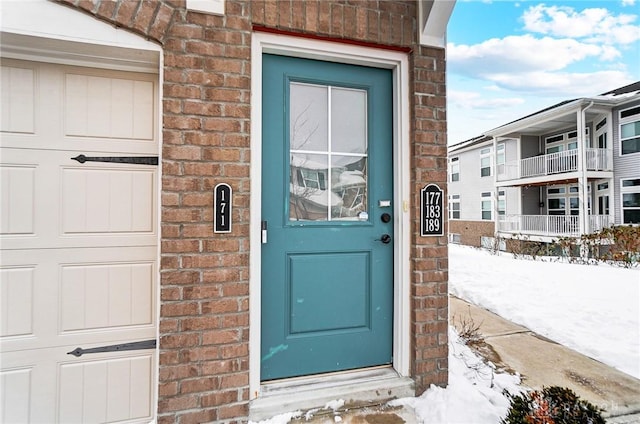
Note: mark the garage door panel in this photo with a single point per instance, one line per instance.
(108, 107)
(16, 312)
(15, 386)
(56, 297)
(110, 389)
(99, 200)
(101, 387)
(17, 185)
(17, 99)
(61, 203)
(107, 295)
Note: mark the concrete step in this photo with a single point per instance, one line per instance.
(358, 389)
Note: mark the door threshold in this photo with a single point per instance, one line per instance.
(371, 386)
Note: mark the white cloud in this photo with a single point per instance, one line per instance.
(523, 53)
(594, 24)
(475, 100)
(628, 2)
(564, 84)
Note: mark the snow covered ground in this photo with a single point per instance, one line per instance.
(592, 309)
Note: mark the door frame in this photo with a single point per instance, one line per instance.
(398, 62)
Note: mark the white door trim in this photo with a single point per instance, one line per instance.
(398, 62)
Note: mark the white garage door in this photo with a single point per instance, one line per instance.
(78, 243)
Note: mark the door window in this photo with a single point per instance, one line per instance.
(328, 152)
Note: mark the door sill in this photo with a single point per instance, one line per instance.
(371, 386)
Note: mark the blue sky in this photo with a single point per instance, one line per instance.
(507, 59)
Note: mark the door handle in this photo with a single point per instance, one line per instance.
(385, 238)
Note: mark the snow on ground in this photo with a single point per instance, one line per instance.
(593, 309)
(474, 394)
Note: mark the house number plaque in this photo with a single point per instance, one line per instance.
(222, 195)
(431, 209)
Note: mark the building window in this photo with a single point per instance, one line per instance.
(454, 206)
(485, 162)
(630, 131)
(601, 134)
(455, 169)
(630, 193)
(502, 203)
(556, 206)
(500, 158)
(454, 238)
(487, 206)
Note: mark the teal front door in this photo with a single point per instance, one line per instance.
(327, 211)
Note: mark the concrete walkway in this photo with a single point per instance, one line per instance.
(542, 362)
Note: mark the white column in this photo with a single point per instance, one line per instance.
(494, 169)
(582, 174)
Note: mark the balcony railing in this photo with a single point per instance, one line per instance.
(550, 225)
(555, 163)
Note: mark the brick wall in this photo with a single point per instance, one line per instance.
(204, 324)
(471, 232)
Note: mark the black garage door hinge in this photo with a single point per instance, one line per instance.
(137, 160)
(145, 344)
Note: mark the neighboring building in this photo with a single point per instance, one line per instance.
(211, 208)
(541, 178)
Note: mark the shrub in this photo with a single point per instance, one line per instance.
(551, 405)
(617, 245)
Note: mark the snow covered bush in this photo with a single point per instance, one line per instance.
(551, 405)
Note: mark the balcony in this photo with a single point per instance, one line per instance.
(554, 163)
(550, 225)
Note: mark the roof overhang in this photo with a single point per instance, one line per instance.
(434, 16)
(555, 119)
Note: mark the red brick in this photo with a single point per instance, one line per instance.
(234, 381)
(179, 277)
(220, 398)
(181, 341)
(179, 309)
(221, 275)
(205, 322)
(203, 384)
(221, 337)
(233, 411)
(197, 417)
(220, 306)
(177, 403)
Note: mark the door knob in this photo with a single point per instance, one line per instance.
(385, 238)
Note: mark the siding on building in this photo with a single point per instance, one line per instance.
(471, 184)
(625, 166)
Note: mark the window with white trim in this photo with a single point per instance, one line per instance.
(630, 131)
(559, 197)
(500, 158)
(502, 203)
(485, 162)
(454, 206)
(630, 193)
(565, 141)
(601, 134)
(487, 206)
(454, 169)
